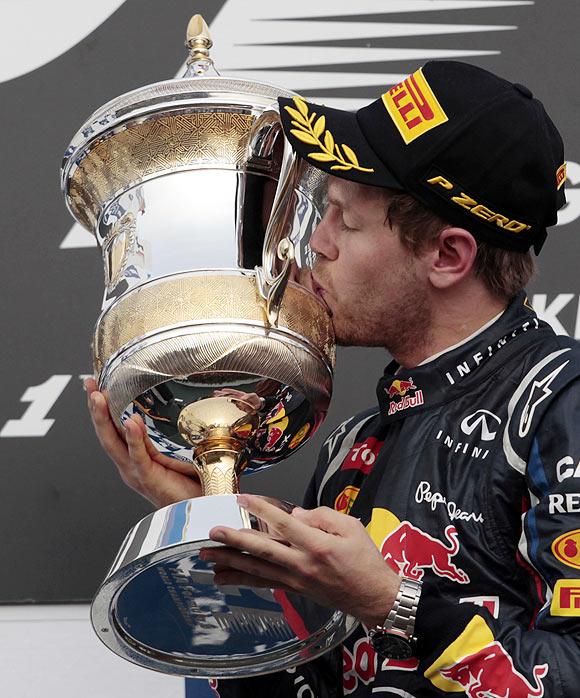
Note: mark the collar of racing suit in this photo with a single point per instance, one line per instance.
(458, 369)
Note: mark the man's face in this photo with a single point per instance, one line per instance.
(374, 286)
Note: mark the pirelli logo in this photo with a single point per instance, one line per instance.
(566, 598)
(413, 107)
(560, 176)
(451, 191)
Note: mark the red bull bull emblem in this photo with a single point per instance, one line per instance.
(401, 388)
(490, 673)
(476, 664)
(411, 551)
(274, 427)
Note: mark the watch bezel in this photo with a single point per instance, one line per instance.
(392, 644)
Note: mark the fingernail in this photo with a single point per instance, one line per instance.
(220, 536)
(242, 500)
(93, 399)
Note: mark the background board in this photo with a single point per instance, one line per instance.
(63, 509)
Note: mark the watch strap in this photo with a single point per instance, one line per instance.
(404, 611)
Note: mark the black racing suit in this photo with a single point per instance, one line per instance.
(467, 476)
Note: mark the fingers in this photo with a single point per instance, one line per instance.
(228, 577)
(326, 519)
(105, 430)
(256, 543)
(157, 477)
(138, 456)
(288, 526)
(232, 563)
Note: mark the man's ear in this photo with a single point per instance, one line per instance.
(452, 257)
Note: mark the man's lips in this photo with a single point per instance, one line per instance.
(317, 287)
(320, 291)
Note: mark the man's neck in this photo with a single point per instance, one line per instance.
(454, 321)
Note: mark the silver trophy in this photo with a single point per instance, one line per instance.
(203, 217)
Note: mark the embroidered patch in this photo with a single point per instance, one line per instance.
(560, 176)
(451, 191)
(312, 131)
(566, 598)
(566, 548)
(343, 503)
(299, 437)
(413, 107)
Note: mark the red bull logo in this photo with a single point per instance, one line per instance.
(401, 387)
(274, 435)
(411, 551)
(275, 426)
(490, 673)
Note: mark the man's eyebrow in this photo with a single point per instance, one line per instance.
(335, 201)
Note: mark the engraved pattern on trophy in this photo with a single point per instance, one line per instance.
(160, 144)
(211, 332)
(195, 297)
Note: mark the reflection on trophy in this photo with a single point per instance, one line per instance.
(203, 216)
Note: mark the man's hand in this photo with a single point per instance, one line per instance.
(158, 478)
(321, 554)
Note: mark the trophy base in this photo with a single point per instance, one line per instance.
(160, 608)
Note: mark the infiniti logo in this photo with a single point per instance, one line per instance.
(483, 420)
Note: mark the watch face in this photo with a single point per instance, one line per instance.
(392, 646)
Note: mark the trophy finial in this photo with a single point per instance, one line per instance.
(198, 38)
(198, 41)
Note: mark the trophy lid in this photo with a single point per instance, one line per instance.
(201, 84)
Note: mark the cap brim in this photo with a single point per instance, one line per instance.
(331, 140)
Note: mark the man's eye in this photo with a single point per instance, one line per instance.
(346, 227)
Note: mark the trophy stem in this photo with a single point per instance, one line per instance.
(218, 428)
(218, 466)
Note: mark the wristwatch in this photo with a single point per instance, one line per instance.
(394, 638)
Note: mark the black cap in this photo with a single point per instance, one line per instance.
(476, 149)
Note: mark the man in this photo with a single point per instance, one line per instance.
(463, 480)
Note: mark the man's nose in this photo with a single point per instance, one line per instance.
(323, 240)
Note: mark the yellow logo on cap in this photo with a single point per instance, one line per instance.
(566, 598)
(311, 131)
(413, 107)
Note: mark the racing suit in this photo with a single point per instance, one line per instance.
(467, 477)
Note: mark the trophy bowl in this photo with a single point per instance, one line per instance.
(210, 333)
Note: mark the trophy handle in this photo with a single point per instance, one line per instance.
(277, 247)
